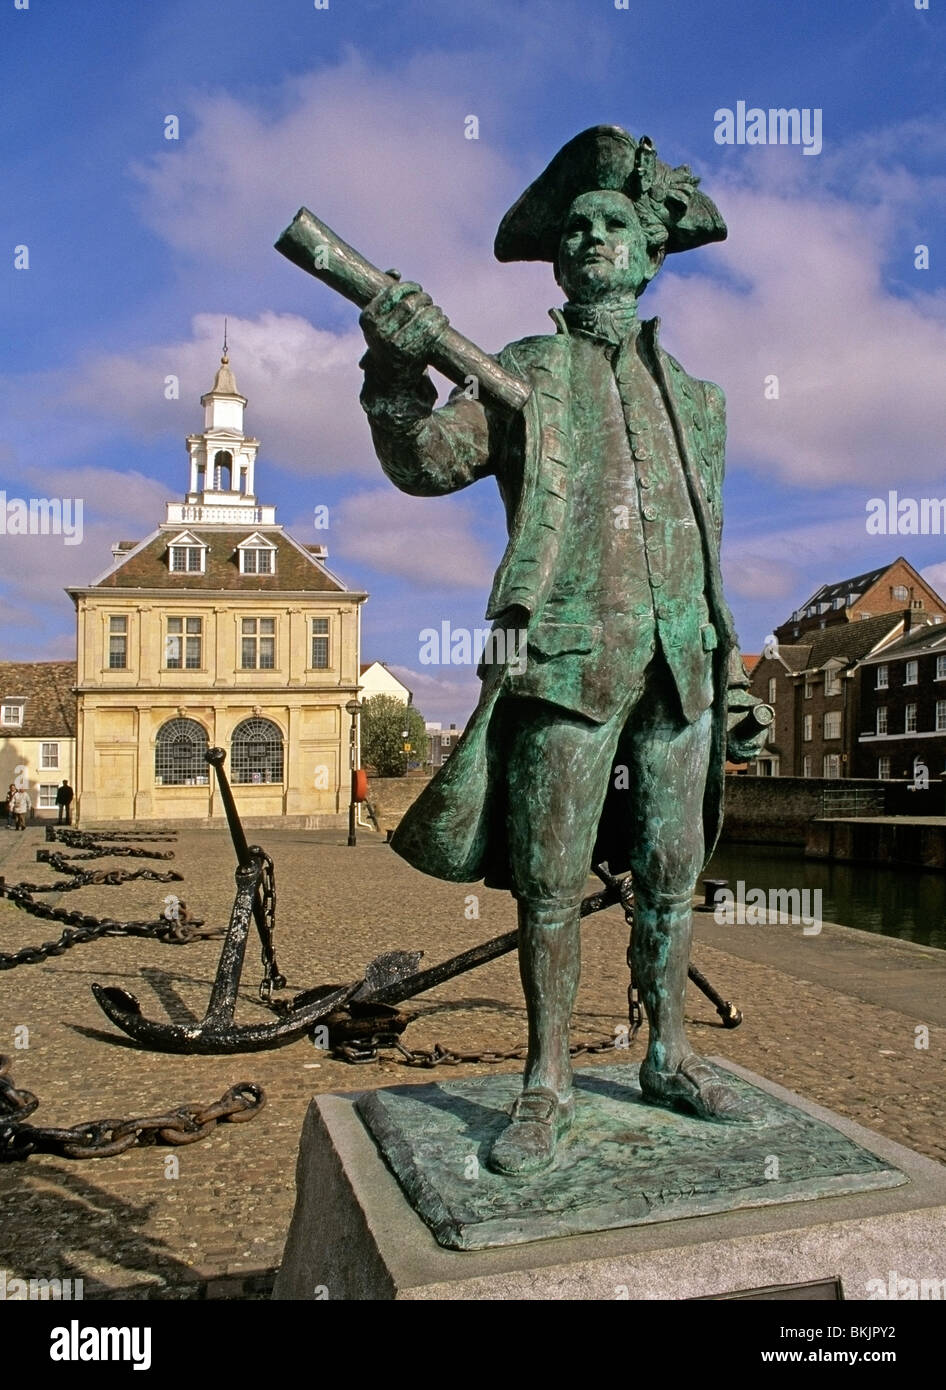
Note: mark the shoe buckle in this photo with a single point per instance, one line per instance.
(535, 1105)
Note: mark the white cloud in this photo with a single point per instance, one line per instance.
(430, 540)
(860, 371)
(777, 564)
(301, 384)
(441, 698)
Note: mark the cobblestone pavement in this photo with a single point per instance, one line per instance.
(129, 1230)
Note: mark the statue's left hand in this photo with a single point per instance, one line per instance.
(748, 722)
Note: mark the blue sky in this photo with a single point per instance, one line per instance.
(138, 246)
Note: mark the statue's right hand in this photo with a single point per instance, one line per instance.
(402, 324)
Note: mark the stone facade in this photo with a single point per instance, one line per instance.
(216, 631)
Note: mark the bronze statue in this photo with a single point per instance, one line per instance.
(606, 739)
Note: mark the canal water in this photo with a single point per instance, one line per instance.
(903, 902)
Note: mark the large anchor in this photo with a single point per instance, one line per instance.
(363, 1008)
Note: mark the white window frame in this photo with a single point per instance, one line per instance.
(832, 683)
(258, 636)
(189, 544)
(773, 689)
(254, 546)
(881, 724)
(806, 765)
(11, 713)
(807, 728)
(883, 677)
(183, 639)
(883, 769)
(46, 766)
(117, 633)
(831, 765)
(911, 672)
(832, 720)
(325, 637)
(941, 668)
(910, 712)
(941, 716)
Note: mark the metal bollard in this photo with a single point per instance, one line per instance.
(711, 887)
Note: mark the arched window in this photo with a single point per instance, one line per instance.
(256, 752)
(179, 754)
(223, 462)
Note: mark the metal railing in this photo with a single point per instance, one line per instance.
(852, 801)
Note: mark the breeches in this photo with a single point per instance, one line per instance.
(560, 769)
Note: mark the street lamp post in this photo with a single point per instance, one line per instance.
(354, 709)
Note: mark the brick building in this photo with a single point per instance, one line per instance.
(903, 707)
(812, 689)
(892, 588)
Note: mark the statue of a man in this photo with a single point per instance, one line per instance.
(601, 730)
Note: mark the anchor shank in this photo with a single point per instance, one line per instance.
(227, 980)
(216, 756)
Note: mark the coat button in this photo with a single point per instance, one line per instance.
(642, 480)
(650, 513)
(656, 578)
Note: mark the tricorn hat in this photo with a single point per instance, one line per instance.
(607, 157)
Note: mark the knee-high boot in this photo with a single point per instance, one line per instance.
(549, 965)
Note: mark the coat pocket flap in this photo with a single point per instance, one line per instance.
(554, 639)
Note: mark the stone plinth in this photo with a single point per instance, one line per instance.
(621, 1215)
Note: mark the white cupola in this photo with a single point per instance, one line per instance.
(222, 461)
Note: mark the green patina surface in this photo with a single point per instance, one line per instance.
(624, 1163)
(605, 737)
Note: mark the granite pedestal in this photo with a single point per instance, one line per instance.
(642, 1203)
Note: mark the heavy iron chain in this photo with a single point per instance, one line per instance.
(439, 1056)
(272, 979)
(82, 927)
(184, 1124)
(82, 839)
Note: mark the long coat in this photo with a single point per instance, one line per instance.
(455, 830)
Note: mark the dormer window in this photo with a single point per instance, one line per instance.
(186, 554)
(257, 555)
(11, 713)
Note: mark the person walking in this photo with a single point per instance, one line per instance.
(64, 796)
(10, 795)
(22, 805)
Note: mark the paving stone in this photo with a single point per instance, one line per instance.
(123, 1226)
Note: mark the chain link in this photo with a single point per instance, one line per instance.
(82, 927)
(440, 1056)
(184, 1124)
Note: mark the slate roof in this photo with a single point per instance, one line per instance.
(858, 585)
(49, 688)
(149, 566)
(927, 637)
(850, 641)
